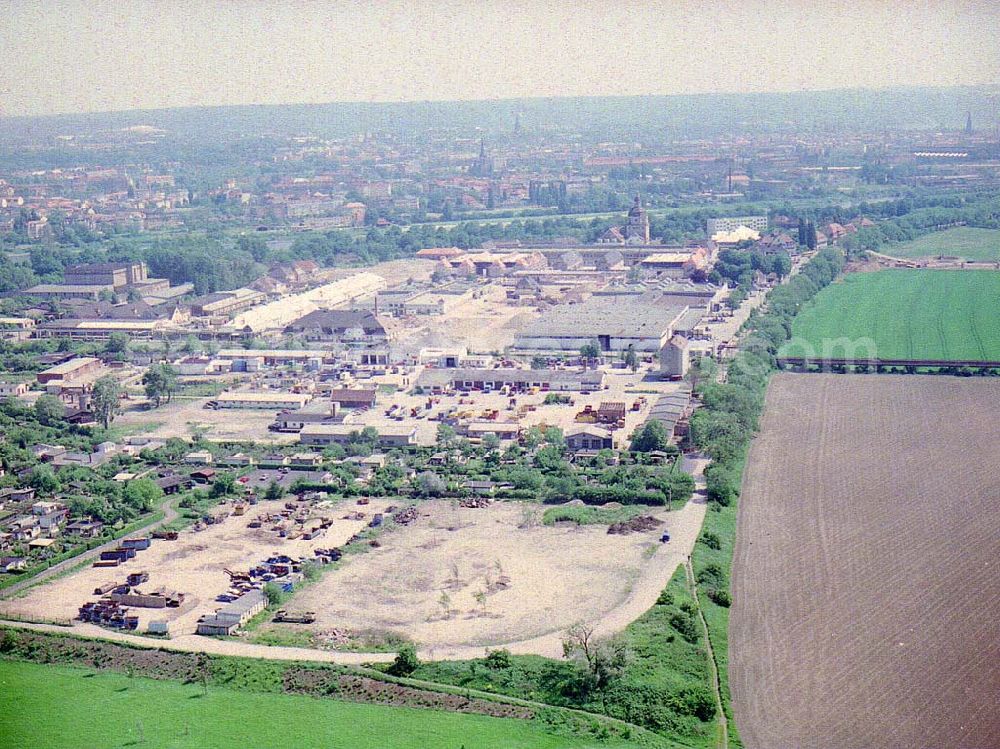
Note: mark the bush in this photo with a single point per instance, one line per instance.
(721, 485)
(720, 597)
(685, 622)
(696, 701)
(711, 540)
(274, 594)
(406, 661)
(712, 576)
(498, 660)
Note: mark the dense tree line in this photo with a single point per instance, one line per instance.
(722, 428)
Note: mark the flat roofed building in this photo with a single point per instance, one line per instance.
(353, 397)
(614, 323)
(98, 329)
(732, 223)
(71, 371)
(117, 275)
(226, 303)
(262, 400)
(391, 435)
(65, 291)
(518, 379)
(16, 323)
(274, 357)
(233, 615)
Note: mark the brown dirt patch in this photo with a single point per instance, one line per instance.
(865, 592)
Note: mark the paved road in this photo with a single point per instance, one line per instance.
(169, 515)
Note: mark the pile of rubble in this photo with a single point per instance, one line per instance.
(475, 502)
(406, 516)
(635, 525)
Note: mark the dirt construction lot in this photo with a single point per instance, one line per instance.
(470, 577)
(865, 585)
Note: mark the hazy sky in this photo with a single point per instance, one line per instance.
(88, 55)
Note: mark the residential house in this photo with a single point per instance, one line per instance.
(588, 438)
(353, 398)
(85, 528)
(13, 564)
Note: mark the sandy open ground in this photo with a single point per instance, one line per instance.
(481, 325)
(183, 416)
(424, 581)
(865, 586)
(194, 564)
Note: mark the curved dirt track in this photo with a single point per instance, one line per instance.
(866, 596)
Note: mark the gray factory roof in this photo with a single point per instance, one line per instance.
(668, 409)
(431, 377)
(612, 316)
(689, 320)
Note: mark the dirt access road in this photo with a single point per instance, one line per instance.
(865, 585)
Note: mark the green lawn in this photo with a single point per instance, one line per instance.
(920, 314)
(63, 708)
(964, 241)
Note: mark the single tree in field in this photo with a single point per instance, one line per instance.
(105, 400)
(160, 382)
(601, 661)
(406, 661)
(445, 603)
(117, 343)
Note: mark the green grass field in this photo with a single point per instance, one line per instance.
(64, 708)
(963, 241)
(919, 314)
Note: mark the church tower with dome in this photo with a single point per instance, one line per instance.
(637, 228)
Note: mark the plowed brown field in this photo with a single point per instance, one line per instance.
(866, 577)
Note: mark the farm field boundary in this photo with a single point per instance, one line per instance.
(910, 315)
(880, 364)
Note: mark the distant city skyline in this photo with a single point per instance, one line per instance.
(77, 56)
